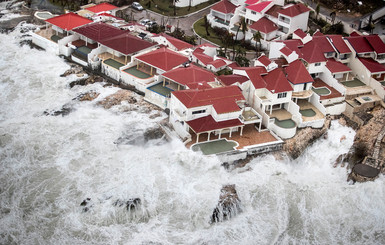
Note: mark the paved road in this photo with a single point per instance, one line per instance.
(185, 23)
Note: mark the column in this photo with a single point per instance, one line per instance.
(220, 133)
(137, 66)
(208, 137)
(197, 138)
(230, 132)
(241, 130)
(151, 71)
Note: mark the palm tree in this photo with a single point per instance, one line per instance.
(174, 3)
(243, 26)
(333, 16)
(317, 9)
(257, 36)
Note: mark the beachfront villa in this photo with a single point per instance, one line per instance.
(296, 85)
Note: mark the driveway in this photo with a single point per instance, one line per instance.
(185, 23)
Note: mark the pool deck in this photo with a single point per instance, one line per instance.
(280, 114)
(303, 105)
(137, 73)
(318, 83)
(250, 136)
(158, 88)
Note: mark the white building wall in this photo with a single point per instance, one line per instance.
(274, 50)
(312, 68)
(299, 22)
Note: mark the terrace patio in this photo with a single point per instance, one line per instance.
(280, 114)
(324, 90)
(250, 136)
(113, 60)
(309, 111)
(50, 34)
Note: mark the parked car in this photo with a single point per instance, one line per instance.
(144, 21)
(137, 6)
(150, 24)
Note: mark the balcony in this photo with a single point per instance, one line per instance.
(302, 94)
(249, 116)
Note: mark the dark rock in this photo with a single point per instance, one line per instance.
(153, 133)
(75, 69)
(131, 204)
(64, 111)
(228, 204)
(89, 96)
(86, 204)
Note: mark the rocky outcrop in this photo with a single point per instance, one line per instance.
(64, 111)
(74, 69)
(131, 204)
(304, 137)
(89, 96)
(134, 101)
(228, 206)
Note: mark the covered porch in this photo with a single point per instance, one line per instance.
(114, 60)
(213, 129)
(49, 33)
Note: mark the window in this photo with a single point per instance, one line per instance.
(198, 112)
(253, 12)
(317, 64)
(282, 95)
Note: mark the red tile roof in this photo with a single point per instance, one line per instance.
(312, 53)
(68, 21)
(294, 10)
(339, 43)
(231, 79)
(250, 2)
(224, 6)
(297, 73)
(372, 65)
(286, 51)
(98, 31)
(217, 63)
(254, 74)
(204, 58)
(323, 43)
(264, 60)
(294, 45)
(277, 82)
(377, 44)
(264, 25)
(360, 44)
(300, 33)
(318, 34)
(126, 43)
(336, 66)
(178, 44)
(273, 11)
(163, 58)
(354, 34)
(205, 124)
(190, 74)
(223, 99)
(259, 7)
(101, 8)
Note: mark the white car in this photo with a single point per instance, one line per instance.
(144, 21)
(137, 6)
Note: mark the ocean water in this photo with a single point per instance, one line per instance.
(50, 164)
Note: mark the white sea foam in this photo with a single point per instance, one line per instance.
(49, 165)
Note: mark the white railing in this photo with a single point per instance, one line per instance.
(378, 88)
(293, 108)
(315, 100)
(44, 43)
(79, 61)
(156, 99)
(284, 133)
(63, 48)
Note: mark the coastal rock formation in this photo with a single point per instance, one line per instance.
(89, 80)
(131, 204)
(153, 133)
(89, 96)
(228, 206)
(304, 137)
(74, 69)
(64, 111)
(134, 102)
(86, 204)
(366, 135)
